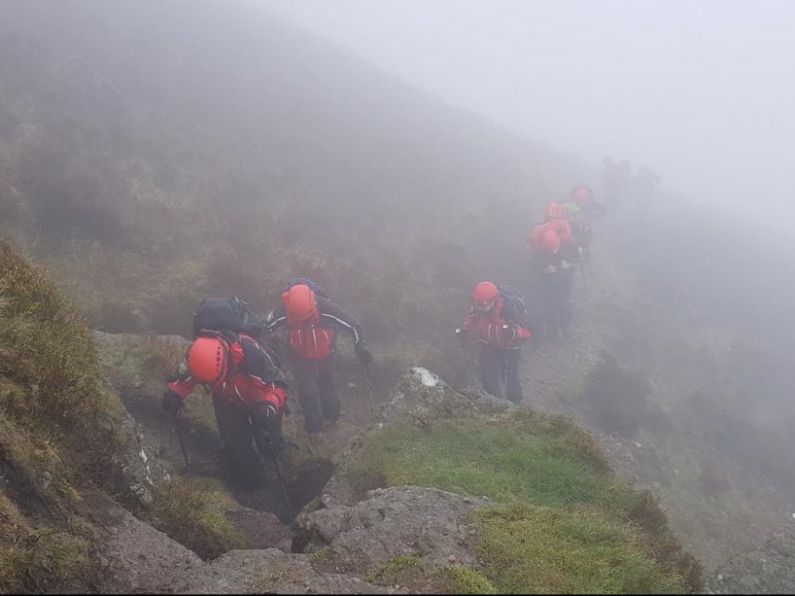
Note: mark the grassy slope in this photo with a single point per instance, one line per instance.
(61, 434)
(563, 523)
(60, 430)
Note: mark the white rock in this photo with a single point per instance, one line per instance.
(426, 377)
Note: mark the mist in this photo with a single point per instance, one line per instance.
(702, 93)
(395, 158)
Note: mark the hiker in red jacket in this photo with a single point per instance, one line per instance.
(310, 321)
(498, 322)
(554, 255)
(247, 387)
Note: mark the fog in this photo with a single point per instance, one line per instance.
(156, 153)
(702, 92)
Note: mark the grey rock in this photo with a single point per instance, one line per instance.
(268, 571)
(420, 395)
(401, 520)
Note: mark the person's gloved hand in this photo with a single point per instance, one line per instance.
(365, 356)
(172, 402)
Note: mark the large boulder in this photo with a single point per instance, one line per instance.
(405, 520)
(136, 558)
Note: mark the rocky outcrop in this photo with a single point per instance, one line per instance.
(133, 556)
(421, 395)
(270, 571)
(404, 520)
(136, 558)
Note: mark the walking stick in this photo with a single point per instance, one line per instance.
(181, 441)
(285, 496)
(262, 447)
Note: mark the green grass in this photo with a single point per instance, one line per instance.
(194, 514)
(409, 571)
(523, 458)
(539, 549)
(36, 554)
(60, 430)
(563, 523)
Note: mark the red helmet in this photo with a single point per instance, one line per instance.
(550, 241)
(554, 211)
(582, 195)
(485, 296)
(300, 303)
(208, 359)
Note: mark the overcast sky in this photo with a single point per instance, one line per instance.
(702, 91)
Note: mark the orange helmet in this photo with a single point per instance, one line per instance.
(550, 241)
(554, 211)
(581, 195)
(485, 296)
(300, 303)
(208, 359)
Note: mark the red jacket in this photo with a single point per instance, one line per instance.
(254, 378)
(498, 328)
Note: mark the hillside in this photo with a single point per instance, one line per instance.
(64, 437)
(155, 153)
(72, 449)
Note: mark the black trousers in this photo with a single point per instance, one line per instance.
(242, 430)
(501, 365)
(556, 300)
(316, 393)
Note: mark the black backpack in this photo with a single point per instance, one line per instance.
(515, 300)
(222, 314)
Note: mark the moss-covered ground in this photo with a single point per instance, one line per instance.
(561, 521)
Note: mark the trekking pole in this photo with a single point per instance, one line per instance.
(285, 496)
(181, 441)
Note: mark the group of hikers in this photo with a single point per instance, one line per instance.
(235, 352)
(233, 355)
(498, 321)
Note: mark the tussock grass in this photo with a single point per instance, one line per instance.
(193, 513)
(547, 550)
(34, 556)
(60, 428)
(409, 571)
